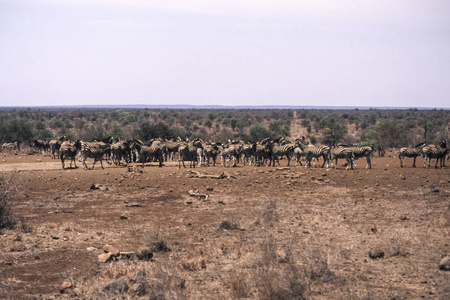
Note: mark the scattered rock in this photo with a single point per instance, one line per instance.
(65, 286)
(376, 253)
(137, 289)
(444, 265)
(90, 249)
(112, 250)
(123, 218)
(106, 257)
(95, 186)
(120, 286)
(144, 254)
(436, 191)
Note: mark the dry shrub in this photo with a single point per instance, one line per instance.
(270, 215)
(239, 284)
(229, 225)
(193, 264)
(7, 193)
(275, 280)
(154, 242)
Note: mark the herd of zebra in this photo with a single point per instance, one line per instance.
(201, 153)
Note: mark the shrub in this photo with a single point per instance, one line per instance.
(6, 193)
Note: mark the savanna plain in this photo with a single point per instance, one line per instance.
(129, 232)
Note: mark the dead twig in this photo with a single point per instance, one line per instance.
(198, 195)
(196, 174)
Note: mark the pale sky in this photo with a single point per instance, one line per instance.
(393, 53)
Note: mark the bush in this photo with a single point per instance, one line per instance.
(6, 193)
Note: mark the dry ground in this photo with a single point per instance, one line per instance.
(262, 234)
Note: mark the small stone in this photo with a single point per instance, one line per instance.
(444, 265)
(119, 286)
(376, 253)
(138, 289)
(64, 286)
(105, 257)
(112, 250)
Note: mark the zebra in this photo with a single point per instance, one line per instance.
(433, 151)
(247, 153)
(119, 150)
(280, 149)
(410, 152)
(363, 151)
(69, 150)
(312, 151)
(298, 153)
(55, 145)
(172, 148)
(211, 150)
(342, 152)
(155, 150)
(231, 152)
(261, 151)
(189, 152)
(41, 145)
(10, 146)
(94, 150)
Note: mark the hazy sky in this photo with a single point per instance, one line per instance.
(392, 53)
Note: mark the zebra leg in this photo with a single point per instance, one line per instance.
(369, 163)
(401, 161)
(414, 163)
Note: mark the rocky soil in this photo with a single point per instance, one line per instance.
(253, 233)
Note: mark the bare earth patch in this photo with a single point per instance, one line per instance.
(261, 232)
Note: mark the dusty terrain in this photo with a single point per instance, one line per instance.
(264, 232)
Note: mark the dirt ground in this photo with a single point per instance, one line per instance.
(255, 234)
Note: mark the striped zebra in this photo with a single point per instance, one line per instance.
(41, 145)
(433, 151)
(172, 147)
(282, 148)
(363, 151)
(69, 150)
(210, 151)
(316, 152)
(154, 151)
(410, 152)
(231, 152)
(94, 150)
(298, 153)
(342, 152)
(10, 146)
(55, 145)
(247, 153)
(262, 152)
(189, 152)
(119, 150)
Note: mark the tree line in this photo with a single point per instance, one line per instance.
(379, 128)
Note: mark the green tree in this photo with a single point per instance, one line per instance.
(387, 134)
(335, 133)
(258, 132)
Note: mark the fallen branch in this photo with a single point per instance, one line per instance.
(196, 174)
(198, 195)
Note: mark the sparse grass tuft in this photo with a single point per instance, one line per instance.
(156, 243)
(7, 192)
(229, 225)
